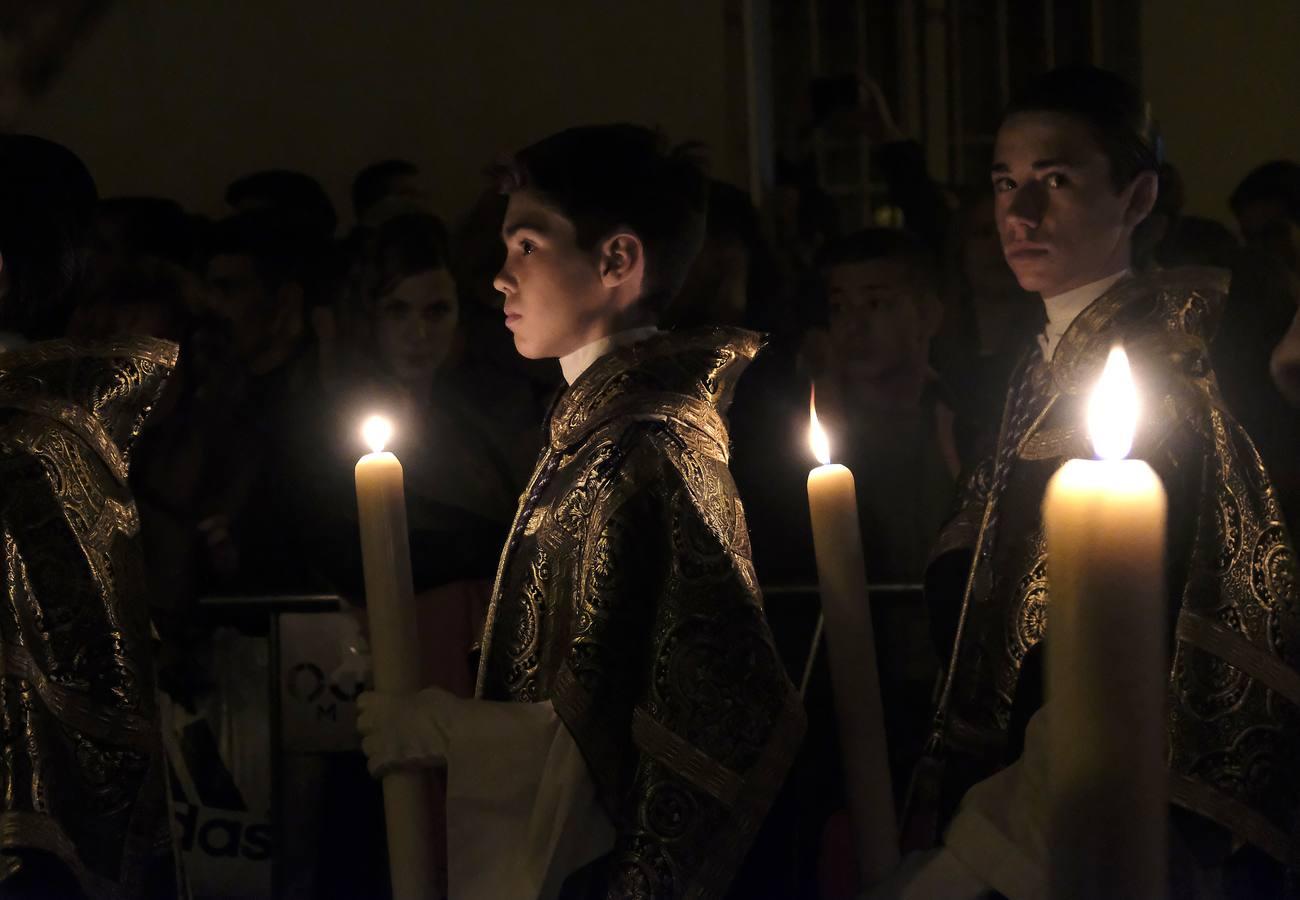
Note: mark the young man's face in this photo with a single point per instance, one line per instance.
(555, 300)
(1060, 219)
(877, 321)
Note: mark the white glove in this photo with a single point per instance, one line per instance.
(404, 731)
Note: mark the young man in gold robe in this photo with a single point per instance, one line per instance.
(1074, 176)
(633, 721)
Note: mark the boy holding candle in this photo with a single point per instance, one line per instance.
(1074, 176)
(633, 720)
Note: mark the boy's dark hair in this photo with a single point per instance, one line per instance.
(295, 195)
(871, 244)
(606, 177)
(371, 183)
(1276, 180)
(403, 246)
(1110, 106)
(47, 200)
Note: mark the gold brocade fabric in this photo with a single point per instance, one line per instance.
(81, 772)
(1234, 619)
(627, 597)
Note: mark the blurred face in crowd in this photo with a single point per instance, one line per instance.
(1061, 220)
(1266, 225)
(559, 297)
(880, 323)
(262, 317)
(415, 324)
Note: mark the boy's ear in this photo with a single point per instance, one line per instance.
(1142, 199)
(622, 259)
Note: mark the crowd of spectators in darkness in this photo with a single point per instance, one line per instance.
(292, 329)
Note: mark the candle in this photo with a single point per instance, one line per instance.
(390, 607)
(1106, 660)
(851, 648)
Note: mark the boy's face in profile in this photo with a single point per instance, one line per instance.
(877, 320)
(555, 301)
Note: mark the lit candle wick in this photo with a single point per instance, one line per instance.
(1113, 408)
(817, 438)
(376, 432)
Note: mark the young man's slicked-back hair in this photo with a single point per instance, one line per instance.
(604, 178)
(1110, 106)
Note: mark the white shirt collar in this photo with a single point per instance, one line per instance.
(1063, 309)
(577, 362)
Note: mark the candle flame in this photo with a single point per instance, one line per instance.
(1113, 408)
(821, 444)
(376, 432)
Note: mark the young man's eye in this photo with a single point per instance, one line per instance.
(527, 247)
(1003, 185)
(1056, 180)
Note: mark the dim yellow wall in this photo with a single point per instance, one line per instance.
(178, 97)
(1224, 78)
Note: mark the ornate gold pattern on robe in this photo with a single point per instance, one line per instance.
(1234, 691)
(627, 597)
(81, 769)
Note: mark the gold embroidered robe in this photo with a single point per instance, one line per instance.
(1234, 623)
(81, 768)
(626, 596)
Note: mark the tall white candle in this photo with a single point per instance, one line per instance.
(390, 607)
(1107, 663)
(851, 647)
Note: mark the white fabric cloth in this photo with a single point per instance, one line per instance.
(997, 840)
(1000, 830)
(577, 362)
(1063, 309)
(522, 810)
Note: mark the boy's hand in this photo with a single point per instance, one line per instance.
(402, 731)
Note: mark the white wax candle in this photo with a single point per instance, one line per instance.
(851, 648)
(1107, 665)
(390, 609)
